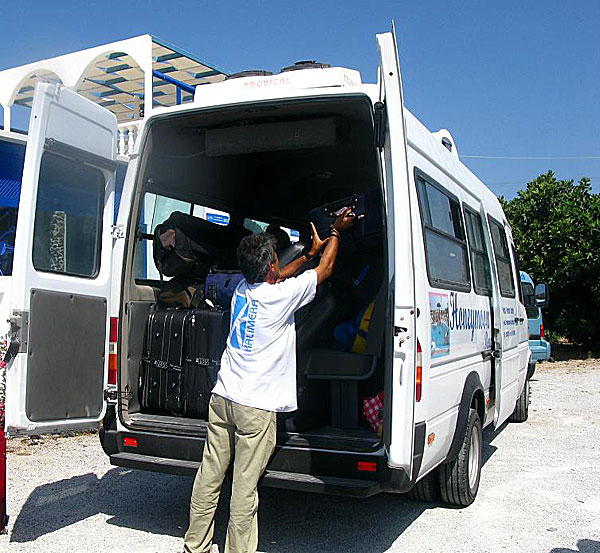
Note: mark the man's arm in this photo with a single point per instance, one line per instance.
(294, 267)
(325, 268)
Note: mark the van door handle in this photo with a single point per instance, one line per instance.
(401, 330)
(491, 354)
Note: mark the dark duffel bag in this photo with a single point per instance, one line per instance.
(182, 355)
(184, 245)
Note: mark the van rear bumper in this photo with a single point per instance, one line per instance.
(272, 478)
(292, 468)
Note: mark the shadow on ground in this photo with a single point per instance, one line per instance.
(158, 504)
(583, 546)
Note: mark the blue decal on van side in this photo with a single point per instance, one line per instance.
(468, 318)
(440, 330)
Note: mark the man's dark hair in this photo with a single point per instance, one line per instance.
(255, 253)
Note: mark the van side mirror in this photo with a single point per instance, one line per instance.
(542, 294)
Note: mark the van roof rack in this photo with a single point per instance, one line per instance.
(306, 64)
(250, 73)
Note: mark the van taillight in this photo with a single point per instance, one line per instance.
(367, 466)
(419, 372)
(541, 331)
(112, 350)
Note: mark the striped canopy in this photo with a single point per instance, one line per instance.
(116, 81)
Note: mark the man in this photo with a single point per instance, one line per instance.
(257, 379)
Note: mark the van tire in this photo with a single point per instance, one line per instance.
(427, 489)
(458, 484)
(521, 412)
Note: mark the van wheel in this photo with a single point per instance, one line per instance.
(459, 479)
(427, 489)
(521, 412)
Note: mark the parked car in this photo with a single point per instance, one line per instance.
(539, 346)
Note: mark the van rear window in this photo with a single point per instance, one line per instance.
(445, 242)
(67, 233)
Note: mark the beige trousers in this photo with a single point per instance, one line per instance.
(247, 435)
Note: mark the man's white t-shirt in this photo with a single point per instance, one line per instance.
(258, 366)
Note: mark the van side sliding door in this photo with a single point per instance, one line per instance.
(508, 363)
(58, 351)
(399, 434)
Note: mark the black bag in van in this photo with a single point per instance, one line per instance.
(182, 356)
(182, 291)
(368, 227)
(220, 286)
(185, 245)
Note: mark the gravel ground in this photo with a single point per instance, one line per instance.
(538, 493)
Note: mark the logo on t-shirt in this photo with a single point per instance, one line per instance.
(243, 323)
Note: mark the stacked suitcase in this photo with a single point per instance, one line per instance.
(182, 354)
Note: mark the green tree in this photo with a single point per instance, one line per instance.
(556, 227)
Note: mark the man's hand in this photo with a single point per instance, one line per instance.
(345, 220)
(317, 243)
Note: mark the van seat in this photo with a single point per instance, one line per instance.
(327, 364)
(344, 370)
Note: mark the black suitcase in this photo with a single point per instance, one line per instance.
(206, 333)
(162, 363)
(182, 355)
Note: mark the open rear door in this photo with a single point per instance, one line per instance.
(399, 437)
(62, 266)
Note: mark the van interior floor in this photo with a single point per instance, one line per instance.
(325, 437)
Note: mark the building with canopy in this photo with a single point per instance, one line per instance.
(121, 76)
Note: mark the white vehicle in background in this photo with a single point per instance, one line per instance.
(448, 335)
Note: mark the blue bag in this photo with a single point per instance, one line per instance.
(220, 285)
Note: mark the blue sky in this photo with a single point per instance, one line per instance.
(506, 78)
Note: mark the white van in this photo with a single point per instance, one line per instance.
(448, 336)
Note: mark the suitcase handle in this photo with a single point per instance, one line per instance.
(161, 364)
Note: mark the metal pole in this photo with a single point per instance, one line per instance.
(179, 84)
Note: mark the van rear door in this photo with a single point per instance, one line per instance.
(399, 436)
(58, 351)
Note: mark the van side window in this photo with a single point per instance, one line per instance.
(503, 264)
(480, 263)
(67, 233)
(445, 243)
(516, 260)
